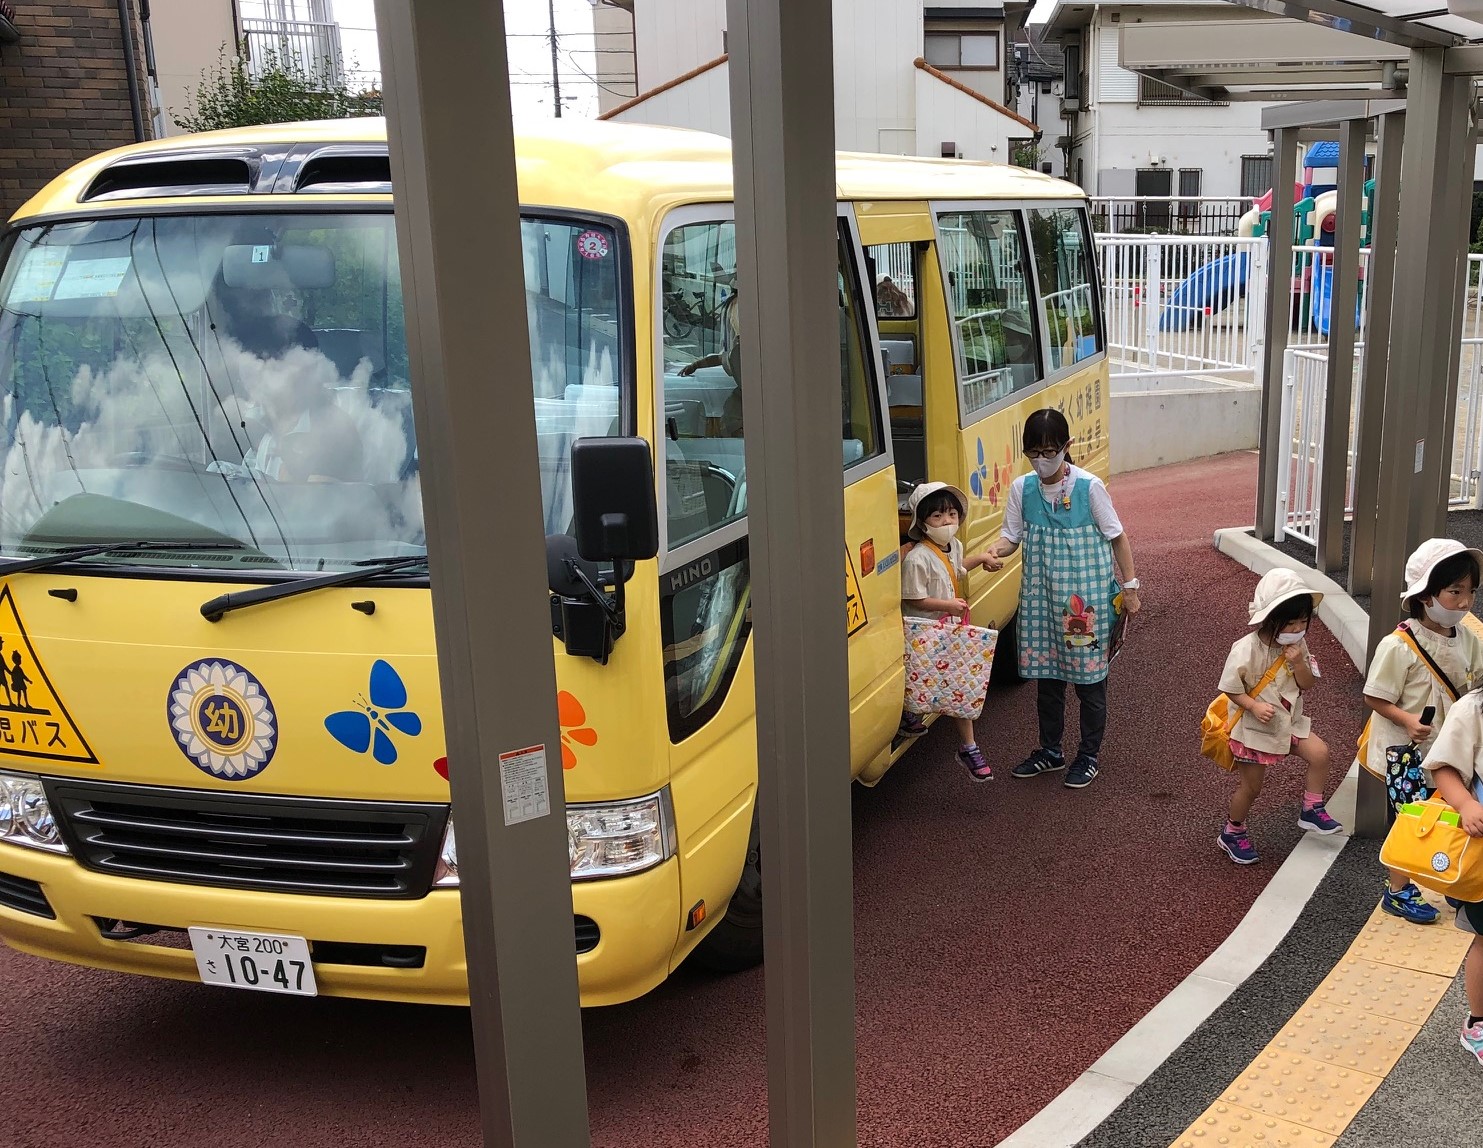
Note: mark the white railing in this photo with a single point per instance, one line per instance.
(314, 47)
(1177, 306)
(1304, 399)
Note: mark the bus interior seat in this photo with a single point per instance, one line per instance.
(902, 352)
(686, 418)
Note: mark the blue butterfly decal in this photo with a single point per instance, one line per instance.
(976, 480)
(368, 727)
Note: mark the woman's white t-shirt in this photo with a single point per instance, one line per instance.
(1102, 510)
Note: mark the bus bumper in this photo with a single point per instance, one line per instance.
(636, 918)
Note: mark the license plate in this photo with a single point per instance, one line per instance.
(266, 962)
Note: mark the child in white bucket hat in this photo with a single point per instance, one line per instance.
(933, 576)
(1427, 663)
(1273, 724)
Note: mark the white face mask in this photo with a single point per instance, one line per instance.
(1290, 639)
(1048, 467)
(1444, 617)
(942, 535)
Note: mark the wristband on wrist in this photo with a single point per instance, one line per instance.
(1132, 584)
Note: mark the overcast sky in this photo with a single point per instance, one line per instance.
(527, 26)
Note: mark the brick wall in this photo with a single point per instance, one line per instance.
(64, 92)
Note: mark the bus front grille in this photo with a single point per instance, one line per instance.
(247, 841)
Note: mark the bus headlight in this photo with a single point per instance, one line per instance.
(616, 838)
(611, 839)
(446, 874)
(26, 816)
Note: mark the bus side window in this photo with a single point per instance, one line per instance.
(985, 264)
(859, 407)
(1068, 300)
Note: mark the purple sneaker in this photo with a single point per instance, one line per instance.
(1317, 820)
(911, 725)
(1237, 846)
(978, 766)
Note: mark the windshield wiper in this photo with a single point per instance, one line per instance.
(72, 554)
(213, 610)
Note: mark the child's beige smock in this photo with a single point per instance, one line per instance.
(1460, 744)
(924, 575)
(1397, 675)
(1248, 661)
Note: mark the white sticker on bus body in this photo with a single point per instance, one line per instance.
(263, 962)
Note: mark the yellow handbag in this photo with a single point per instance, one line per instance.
(1428, 844)
(1221, 717)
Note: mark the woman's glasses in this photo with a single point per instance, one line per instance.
(1044, 452)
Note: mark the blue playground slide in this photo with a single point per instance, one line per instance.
(1215, 285)
(1322, 298)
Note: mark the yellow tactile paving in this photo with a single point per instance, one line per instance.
(1232, 1126)
(1368, 986)
(1346, 1038)
(1437, 949)
(1306, 1086)
(1302, 1090)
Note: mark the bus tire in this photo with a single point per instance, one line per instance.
(1006, 668)
(735, 944)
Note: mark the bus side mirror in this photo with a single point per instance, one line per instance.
(615, 523)
(613, 492)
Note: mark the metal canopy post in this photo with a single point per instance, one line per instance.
(1440, 263)
(1423, 296)
(1459, 201)
(1273, 452)
(782, 117)
(1333, 482)
(457, 219)
(1375, 398)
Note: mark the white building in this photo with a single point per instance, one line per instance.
(910, 78)
(1135, 136)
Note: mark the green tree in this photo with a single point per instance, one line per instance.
(1027, 153)
(285, 89)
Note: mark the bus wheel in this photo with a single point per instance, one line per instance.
(736, 941)
(1006, 668)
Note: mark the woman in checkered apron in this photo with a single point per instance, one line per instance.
(1065, 520)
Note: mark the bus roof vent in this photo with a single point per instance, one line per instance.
(332, 172)
(167, 174)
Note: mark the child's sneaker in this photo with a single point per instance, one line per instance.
(1472, 1040)
(1041, 761)
(1237, 846)
(911, 725)
(977, 765)
(1409, 905)
(1082, 773)
(1316, 819)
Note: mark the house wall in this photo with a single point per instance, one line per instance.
(702, 103)
(1118, 136)
(189, 37)
(614, 34)
(946, 114)
(673, 36)
(63, 93)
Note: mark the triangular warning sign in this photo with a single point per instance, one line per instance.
(33, 721)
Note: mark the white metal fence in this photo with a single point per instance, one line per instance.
(1184, 306)
(1304, 393)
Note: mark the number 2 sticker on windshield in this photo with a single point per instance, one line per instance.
(592, 245)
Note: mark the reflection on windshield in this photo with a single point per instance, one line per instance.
(244, 379)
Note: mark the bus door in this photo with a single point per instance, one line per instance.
(872, 540)
(995, 349)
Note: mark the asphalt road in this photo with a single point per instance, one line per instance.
(1006, 935)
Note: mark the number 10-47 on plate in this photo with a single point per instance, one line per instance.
(264, 962)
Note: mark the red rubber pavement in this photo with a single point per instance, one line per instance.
(1006, 936)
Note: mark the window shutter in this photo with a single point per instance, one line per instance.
(1116, 85)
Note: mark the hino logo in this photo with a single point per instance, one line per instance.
(693, 573)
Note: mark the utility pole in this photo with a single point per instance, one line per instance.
(555, 70)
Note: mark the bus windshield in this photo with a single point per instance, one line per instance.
(242, 380)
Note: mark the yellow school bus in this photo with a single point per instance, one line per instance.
(221, 750)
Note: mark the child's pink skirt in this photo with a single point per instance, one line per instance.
(1248, 756)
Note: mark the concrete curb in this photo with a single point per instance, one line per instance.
(1093, 1096)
